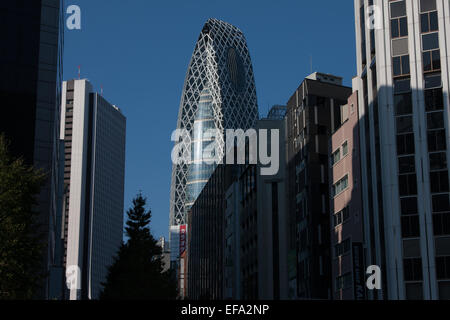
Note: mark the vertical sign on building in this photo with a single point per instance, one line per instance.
(358, 271)
(182, 239)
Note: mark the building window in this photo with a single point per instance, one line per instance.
(436, 140)
(427, 5)
(443, 268)
(340, 186)
(435, 120)
(341, 216)
(441, 224)
(432, 80)
(439, 181)
(431, 60)
(409, 206)
(402, 85)
(434, 99)
(345, 149)
(406, 164)
(344, 282)
(430, 41)
(414, 291)
(429, 22)
(405, 144)
(342, 248)
(399, 27)
(438, 161)
(336, 157)
(440, 203)
(413, 269)
(410, 226)
(399, 22)
(407, 184)
(401, 65)
(404, 124)
(403, 104)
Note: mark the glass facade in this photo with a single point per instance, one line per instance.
(30, 91)
(203, 162)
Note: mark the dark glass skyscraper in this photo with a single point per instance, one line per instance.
(31, 34)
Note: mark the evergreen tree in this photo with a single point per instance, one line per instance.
(20, 243)
(137, 271)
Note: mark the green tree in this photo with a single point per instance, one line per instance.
(137, 271)
(21, 244)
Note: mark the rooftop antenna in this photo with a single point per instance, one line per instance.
(79, 72)
(311, 63)
(101, 90)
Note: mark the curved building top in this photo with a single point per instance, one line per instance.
(221, 60)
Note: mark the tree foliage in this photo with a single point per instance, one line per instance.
(20, 243)
(137, 271)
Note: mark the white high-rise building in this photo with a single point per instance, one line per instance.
(403, 76)
(94, 135)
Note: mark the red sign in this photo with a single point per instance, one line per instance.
(182, 239)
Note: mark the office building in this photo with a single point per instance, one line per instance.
(30, 90)
(403, 70)
(94, 134)
(313, 113)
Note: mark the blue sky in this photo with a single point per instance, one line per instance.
(139, 51)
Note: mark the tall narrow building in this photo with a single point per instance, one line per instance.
(30, 87)
(403, 72)
(313, 113)
(94, 135)
(220, 64)
(347, 241)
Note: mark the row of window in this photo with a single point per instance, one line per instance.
(436, 138)
(434, 103)
(403, 108)
(430, 39)
(413, 268)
